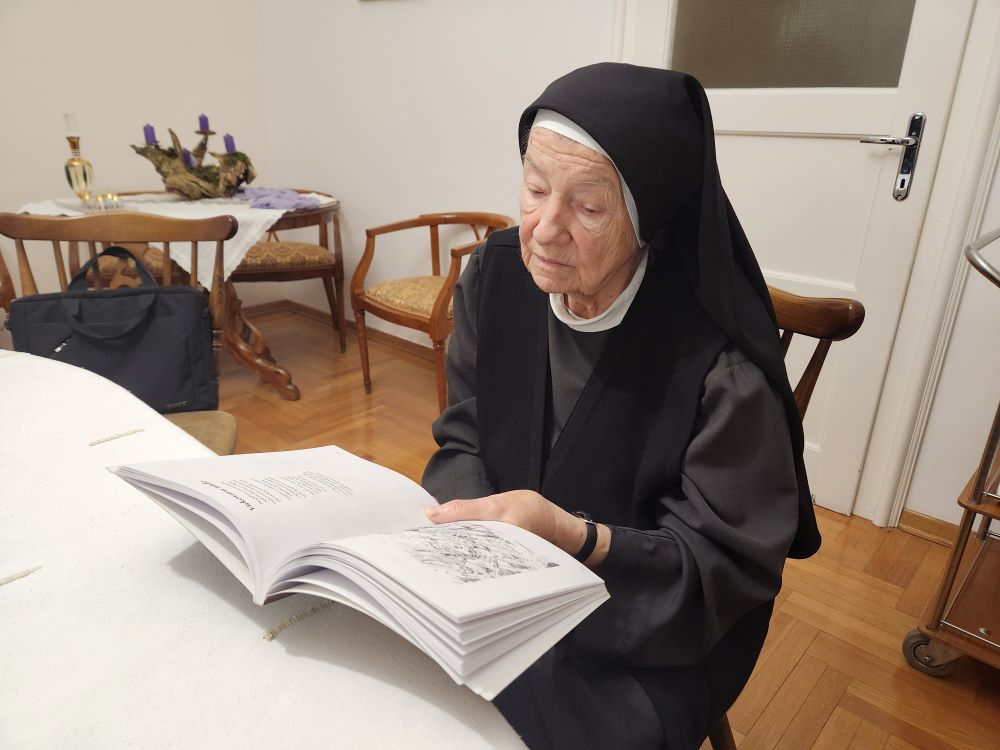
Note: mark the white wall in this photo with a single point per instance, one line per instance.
(967, 393)
(402, 107)
(398, 107)
(119, 64)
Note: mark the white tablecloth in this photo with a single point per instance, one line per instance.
(253, 223)
(117, 629)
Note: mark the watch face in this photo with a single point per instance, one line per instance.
(584, 516)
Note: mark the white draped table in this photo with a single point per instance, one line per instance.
(117, 629)
(253, 223)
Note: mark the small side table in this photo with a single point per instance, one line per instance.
(243, 338)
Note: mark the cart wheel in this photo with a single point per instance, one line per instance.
(915, 650)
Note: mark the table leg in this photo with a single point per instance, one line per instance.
(246, 343)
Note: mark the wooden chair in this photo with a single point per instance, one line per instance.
(822, 318)
(419, 302)
(216, 429)
(275, 260)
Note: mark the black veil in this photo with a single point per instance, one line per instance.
(656, 125)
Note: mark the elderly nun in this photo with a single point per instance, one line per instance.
(617, 387)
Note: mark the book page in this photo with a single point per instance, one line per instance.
(471, 569)
(284, 502)
(213, 537)
(499, 673)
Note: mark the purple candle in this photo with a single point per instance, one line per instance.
(186, 156)
(202, 122)
(230, 143)
(150, 134)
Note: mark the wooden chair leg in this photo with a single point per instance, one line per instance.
(442, 381)
(336, 302)
(359, 319)
(721, 736)
(339, 285)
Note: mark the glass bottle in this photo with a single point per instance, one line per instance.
(79, 173)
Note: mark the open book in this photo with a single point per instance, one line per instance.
(483, 599)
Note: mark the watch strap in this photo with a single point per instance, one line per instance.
(590, 542)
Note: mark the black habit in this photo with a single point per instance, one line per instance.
(676, 429)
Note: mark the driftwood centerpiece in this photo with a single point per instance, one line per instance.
(188, 175)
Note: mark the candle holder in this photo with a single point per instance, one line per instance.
(190, 176)
(79, 173)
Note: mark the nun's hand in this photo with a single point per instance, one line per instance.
(529, 510)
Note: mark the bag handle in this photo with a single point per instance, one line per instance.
(71, 310)
(79, 282)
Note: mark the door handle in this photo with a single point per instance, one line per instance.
(889, 140)
(908, 159)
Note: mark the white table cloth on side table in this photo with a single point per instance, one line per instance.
(119, 630)
(253, 223)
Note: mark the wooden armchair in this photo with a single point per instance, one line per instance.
(419, 302)
(276, 260)
(822, 318)
(216, 429)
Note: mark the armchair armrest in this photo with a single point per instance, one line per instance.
(420, 221)
(439, 313)
(461, 250)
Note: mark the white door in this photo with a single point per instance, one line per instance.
(802, 81)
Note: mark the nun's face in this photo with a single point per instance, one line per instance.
(576, 236)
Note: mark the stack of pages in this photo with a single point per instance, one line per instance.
(483, 599)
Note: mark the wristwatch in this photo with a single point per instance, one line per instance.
(591, 541)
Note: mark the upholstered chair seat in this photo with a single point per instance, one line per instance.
(275, 259)
(281, 255)
(415, 295)
(125, 272)
(216, 429)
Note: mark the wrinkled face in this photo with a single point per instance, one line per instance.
(576, 236)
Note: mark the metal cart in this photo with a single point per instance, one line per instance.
(964, 616)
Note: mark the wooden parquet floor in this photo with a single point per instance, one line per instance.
(831, 674)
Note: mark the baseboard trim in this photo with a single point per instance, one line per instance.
(287, 305)
(266, 308)
(928, 527)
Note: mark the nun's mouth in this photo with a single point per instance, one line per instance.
(549, 263)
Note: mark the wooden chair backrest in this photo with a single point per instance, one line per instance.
(824, 318)
(114, 228)
(473, 219)
(481, 223)
(119, 227)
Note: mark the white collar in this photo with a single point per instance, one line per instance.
(615, 312)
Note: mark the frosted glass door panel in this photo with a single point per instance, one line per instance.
(792, 43)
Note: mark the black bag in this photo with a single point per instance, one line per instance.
(156, 341)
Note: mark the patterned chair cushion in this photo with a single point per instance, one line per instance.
(283, 255)
(216, 429)
(412, 295)
(116, 273)
(151, 257)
